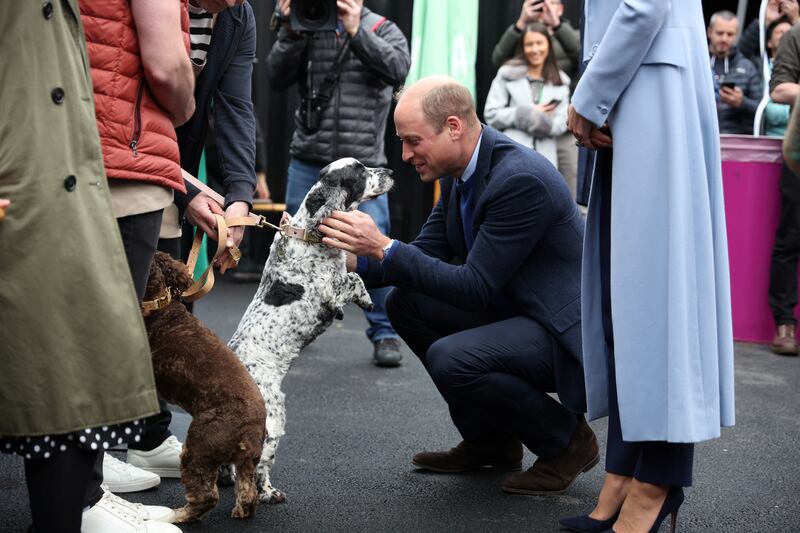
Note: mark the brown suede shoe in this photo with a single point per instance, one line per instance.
(556, 475)
(502, 453)
(784, 342)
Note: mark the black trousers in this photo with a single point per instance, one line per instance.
(493, 369)
(56, 488)
(656, 462)
(785, 253)
(139, 238)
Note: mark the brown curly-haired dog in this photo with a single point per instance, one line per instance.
(194, 369)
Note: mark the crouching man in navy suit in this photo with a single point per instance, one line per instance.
(488, 295)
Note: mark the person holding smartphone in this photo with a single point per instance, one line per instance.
(529, 96)
(737, 82)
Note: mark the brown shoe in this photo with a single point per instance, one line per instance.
(556, 475)
(502, 453)
(784, 342)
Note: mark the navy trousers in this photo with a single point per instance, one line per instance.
(659, 463)
(494, 369)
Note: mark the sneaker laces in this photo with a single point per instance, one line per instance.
(115, 464)
(121, 508)
(173, 442)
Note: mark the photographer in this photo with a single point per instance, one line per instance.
(346, 79)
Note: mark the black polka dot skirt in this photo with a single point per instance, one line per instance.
(99, 438)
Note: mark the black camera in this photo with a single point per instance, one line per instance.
(313, 15)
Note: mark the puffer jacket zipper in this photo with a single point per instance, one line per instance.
(137, 119)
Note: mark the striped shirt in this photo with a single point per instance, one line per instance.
(201, 24)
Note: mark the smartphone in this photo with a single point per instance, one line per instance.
(554, 101)
(728, 84)
(537, 5)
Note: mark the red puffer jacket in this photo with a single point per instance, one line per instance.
(136, 134)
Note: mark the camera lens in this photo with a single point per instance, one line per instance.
(314, 13)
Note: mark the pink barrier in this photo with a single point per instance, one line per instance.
(751, 169)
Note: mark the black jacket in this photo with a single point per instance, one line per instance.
(743, 73)
(225, 82)
(354, 120)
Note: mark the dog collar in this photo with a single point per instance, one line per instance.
(148, 306)
(294, 232)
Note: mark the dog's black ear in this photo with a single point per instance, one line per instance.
(317, 199)
(354, 182)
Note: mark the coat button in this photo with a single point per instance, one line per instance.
(603, 109)
(47, 10)
(57, 95)
(594, 50)
(70, 182)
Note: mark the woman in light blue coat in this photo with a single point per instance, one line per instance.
(658, 346)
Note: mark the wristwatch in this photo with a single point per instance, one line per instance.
(386, 249)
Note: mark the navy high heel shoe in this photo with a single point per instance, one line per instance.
(586, 524)
(670, 507)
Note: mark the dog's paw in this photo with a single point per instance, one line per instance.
(183, 516)
(244, 511)
(271, 495)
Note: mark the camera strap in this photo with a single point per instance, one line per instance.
(328, 84)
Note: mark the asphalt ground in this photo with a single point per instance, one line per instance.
(352, 429)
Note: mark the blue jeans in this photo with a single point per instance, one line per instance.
(301, 177)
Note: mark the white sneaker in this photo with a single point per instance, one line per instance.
(165, 460)
(122, 477)
(108, 516)
(144, 512)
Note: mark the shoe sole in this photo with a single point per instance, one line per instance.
(591, 464)
(501, 467)
(784, 351)
(162, 472)
(133, 486)
(387, 364)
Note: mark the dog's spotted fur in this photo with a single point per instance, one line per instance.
(303, 288)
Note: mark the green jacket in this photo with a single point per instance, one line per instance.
(73, 349)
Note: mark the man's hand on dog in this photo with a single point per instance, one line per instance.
(353, 232)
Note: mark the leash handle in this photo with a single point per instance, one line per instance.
(205, 282)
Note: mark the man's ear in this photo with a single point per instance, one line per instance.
(455, 127)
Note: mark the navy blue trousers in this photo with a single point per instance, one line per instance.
(493, 369)
(659, 463)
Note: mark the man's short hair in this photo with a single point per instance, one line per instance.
(721, 15)
(449, 99)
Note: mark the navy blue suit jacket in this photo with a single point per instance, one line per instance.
(528, 241)
(226, 81)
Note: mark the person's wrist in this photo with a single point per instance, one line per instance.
(519, 25)
(387, 244)
(557, 25)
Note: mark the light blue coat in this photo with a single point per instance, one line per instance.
(648, 77)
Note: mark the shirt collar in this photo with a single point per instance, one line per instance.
(473, 161)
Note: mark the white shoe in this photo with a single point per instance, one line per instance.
(165, 460)
(144, 512)
(110, 516)
(122, 477)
